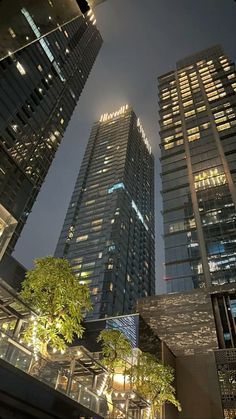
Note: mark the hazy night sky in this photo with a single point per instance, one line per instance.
(142, 39)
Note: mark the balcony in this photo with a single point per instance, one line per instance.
(76, 379)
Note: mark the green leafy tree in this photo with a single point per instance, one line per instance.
(115, 348)
(154, 382)
(60, 302)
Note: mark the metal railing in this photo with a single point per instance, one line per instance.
(16, 353)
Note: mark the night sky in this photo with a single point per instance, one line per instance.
(142, 39)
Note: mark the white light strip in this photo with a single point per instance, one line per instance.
(134, 206)
(43, 43)
(141, 130)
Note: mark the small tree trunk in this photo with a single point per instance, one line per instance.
(38, 364)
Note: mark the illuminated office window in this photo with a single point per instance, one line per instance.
(234, 86)
(167, 146)
(90, 202)
(177, 226)
(185, 104)
(190, 113)
(193, 130)
(20, 68)
(193, 137)
(201, 108)
(205, 126)
(168, 122)
(168, 139)
(99, 221)
(209, 179)
(82, 238)
(219, 120)
(77, 267)
(223, 127)
(86, 274)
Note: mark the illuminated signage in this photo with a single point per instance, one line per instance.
(141, 130)
(107, 116)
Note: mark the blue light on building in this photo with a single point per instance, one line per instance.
(119, 185)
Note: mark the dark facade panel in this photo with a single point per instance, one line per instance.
(226, 368)
(198, 387)
(12, 272)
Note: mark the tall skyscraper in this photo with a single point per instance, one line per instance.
(108, 232)
(47, 15)
(198, 129)
(39, 88)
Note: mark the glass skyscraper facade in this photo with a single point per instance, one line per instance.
(47, 16)
(25, 21)
(108, 232)
(198, 158)
(39, 88)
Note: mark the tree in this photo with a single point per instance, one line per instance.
(115, 348)
(153, 381)
(53, 291)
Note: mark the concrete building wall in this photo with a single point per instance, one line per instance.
(168, 358)
(185, 321)
(198, 387)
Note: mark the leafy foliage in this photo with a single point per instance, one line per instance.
(153, 381)
(52, 289)
(115, 348)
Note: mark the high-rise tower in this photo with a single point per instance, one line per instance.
(198, 143)
(45, 16)
(108, 232)
(39, 88)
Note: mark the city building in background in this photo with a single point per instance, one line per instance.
(39, 88)
(108, 232)
(198, 148)
(45, 17)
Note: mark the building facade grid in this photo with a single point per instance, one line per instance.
(108, 232)
(198, 128)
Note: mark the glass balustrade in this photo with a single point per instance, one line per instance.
(61, 379)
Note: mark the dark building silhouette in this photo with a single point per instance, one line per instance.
(108, 232)
(39, 88)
